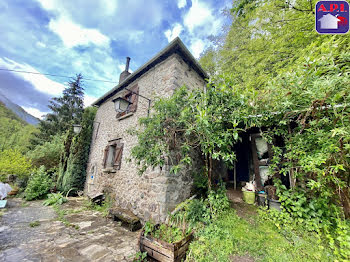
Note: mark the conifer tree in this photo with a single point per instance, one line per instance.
(66, 110)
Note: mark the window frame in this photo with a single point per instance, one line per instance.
(117, 155)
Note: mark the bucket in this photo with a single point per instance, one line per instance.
(274, 204)
(249, 197)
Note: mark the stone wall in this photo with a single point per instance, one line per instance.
(153, 194)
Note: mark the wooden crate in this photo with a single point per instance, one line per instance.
(163, 251)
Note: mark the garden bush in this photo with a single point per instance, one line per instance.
(167, 233)
(48, 153)
(39, 185)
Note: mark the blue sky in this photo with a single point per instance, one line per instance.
(92, 37)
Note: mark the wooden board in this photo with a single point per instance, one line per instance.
(163, 251)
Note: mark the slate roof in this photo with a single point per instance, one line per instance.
(175, 46)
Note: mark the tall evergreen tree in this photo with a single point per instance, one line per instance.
(72, 168)
(66, 110)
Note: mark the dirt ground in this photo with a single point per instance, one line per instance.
(30, 231)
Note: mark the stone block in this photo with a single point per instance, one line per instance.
(127, 218)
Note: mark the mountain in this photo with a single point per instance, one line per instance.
(19, 111)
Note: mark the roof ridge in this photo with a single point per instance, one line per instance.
(150, 64)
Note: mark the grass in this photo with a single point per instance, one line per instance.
(103, 209)
(231, 236)
(61, 213)
(87, 205)
(24, 204)
(2, 211)
(34, 224)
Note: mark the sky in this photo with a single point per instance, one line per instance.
(92, 37)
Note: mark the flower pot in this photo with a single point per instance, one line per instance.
(262, 199)
(249, 197)
(274, 204)
(13, 192)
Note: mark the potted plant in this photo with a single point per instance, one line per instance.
(273, 202)
(165, 242)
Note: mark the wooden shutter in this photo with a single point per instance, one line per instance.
(134, 99)
(105, 156)
(118, 156)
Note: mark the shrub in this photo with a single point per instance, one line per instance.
(13, 162)
(55, 199)
(218, 200)
(39, 185)
(200, 184)
(47, 154)
(167, 233)
(333, 234)
(197, 212)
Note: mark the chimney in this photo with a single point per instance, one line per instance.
(125, 73)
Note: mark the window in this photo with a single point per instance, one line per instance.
(113, 155)
(132, 97)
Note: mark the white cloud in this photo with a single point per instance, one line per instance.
(110, 6)
(181, 3)
(122, 68)
(35, 112)
(136, 36)
(173, 33)
(200, 16)
(112, 18)
(40, 44)
(197, 47)
(48, 4)
(40, 82)
(73, 34)
(88, 100)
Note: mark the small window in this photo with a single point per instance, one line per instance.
(113, 155)
(132, 97)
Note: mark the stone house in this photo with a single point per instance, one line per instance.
(155, 193)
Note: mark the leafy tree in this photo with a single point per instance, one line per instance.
(209, 61)
(72, 171)
(188, 120)
(13, 162)
(14, 132)
(66, 110)
(48, 154)
(266, 38)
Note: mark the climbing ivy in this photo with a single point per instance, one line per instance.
(72, 169)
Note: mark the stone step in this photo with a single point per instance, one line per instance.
(127, 218)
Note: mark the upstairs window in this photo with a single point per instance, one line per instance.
(132, 97)
(113, 155)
